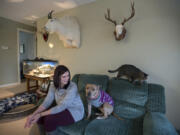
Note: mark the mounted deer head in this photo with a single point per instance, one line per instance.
(120, 30)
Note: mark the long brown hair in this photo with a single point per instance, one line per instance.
(60, 70)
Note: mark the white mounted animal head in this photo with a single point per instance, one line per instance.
(67, 29)
(120, 30)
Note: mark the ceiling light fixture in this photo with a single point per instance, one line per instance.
(66, 4)
(51, 45)
(31, 18)
(15, 1)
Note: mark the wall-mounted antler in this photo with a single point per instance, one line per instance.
(132, 14)
(107, 16)
(120, 30)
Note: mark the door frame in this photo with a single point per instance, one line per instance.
(18, 52)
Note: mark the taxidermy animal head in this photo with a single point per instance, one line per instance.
(67, 29)
(120, 30)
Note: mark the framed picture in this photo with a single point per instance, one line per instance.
(21, 49)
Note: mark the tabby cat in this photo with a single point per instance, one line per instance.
(131, 72)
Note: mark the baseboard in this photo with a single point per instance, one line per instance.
(9, 84)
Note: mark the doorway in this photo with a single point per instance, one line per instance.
(27, 49)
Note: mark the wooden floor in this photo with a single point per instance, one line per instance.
(10, 91)
(16, 127)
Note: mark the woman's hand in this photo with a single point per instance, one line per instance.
(31, 119)
(36, 118)
(28, 121)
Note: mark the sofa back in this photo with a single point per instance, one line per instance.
(82, 79)
(131, 101)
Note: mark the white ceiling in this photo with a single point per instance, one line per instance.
(27, 11)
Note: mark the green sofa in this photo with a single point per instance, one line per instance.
(141, 106)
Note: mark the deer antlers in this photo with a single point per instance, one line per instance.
(50, 14)
(132, 14)
(107, 16)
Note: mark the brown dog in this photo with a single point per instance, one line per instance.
(99, 99)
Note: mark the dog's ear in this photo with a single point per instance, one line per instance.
(98, 87)
(86, 86)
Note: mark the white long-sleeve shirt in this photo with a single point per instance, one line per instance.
(66, 99)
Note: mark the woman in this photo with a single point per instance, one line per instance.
(69, 107)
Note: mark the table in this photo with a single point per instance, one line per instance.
(36, 78)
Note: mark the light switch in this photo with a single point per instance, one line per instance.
(4, 47)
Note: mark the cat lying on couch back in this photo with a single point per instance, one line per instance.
(131, 72)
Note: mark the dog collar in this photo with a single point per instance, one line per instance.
(95, 97)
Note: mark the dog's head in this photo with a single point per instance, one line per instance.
(92, 91)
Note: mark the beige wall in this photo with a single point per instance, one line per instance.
(152, 43)
(8, 58)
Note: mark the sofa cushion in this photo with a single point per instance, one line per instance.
(123, 90)
(156, 123)
(128, 110)
(136, 126)
(109, 126)
(77, 128)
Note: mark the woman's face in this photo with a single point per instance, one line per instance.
(64, 78)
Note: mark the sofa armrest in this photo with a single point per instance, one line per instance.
(156, 123)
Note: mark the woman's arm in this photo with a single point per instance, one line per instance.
(46, 103)
(39, 110)
(68, 99)
(49, 98)
(48, 112)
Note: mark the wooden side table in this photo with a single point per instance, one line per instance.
(36, 78)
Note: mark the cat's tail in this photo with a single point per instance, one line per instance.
(112, 71)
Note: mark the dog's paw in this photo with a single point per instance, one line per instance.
(99, 118)
(99, 114)
(87, 118)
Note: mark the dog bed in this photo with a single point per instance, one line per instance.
(18, 104)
